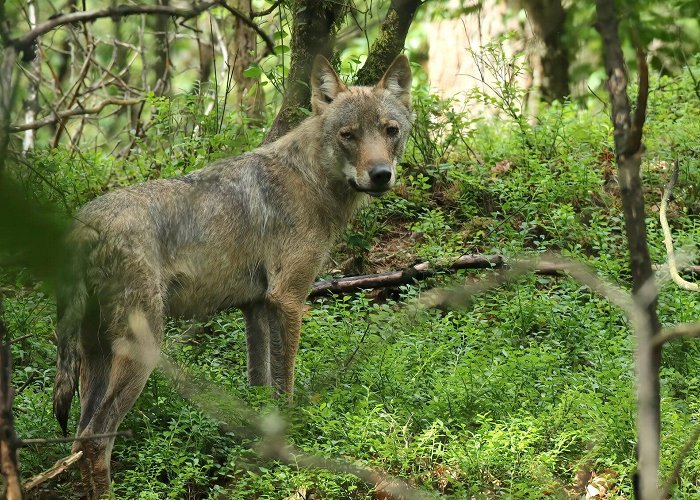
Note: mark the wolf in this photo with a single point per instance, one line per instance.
(250, 231)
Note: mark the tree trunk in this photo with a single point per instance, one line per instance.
(8, 438)
(31, 102)
(162, 66)
(314, 24)
(390, 41)
(628, 148)
(8, 56)
(548, 23)
(250, 95)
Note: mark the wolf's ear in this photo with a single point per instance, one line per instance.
(397, 80)
(325, 85)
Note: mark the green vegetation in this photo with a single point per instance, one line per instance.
(514, 396)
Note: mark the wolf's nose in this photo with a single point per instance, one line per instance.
(380, 175)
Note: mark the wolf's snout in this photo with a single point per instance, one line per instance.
(380, 176)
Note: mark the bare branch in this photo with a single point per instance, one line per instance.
(266, 11)
(634, 140)
(70, 439)
(458, 297)
(76, 111)
(24, 42)
(59, 467)
(688, 330)
(668, 238)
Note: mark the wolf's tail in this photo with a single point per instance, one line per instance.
(72, 303)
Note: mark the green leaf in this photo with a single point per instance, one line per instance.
(253, 71)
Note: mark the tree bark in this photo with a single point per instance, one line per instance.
(8, 56)
(314, 24)
(628, 149)
(548, 23)
(390, 41)
(250, 95)
(161, 66)
(8, 438)
(31, 102)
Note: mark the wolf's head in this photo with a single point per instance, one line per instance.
(364, 128)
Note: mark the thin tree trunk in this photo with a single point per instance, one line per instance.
(8, 56)
(250, 95)
(162, 66)
(8, 437)
(628, 148)
(31, 103)
(548, 23)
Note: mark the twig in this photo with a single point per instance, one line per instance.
(59, 467)
(267, 11)
(678, 465)
(459, 296)
(27, 442)
(31, 378)
(77, 111)
(668, 238)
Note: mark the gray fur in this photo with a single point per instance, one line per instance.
(250, 231)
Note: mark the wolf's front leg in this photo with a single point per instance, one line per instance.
(285, 330)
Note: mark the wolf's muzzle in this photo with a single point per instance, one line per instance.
(380, 178)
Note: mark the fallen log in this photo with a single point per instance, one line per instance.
(423, 270)
(406, 276)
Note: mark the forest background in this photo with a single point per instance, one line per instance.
(525, 389)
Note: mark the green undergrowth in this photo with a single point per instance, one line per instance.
(516, 394)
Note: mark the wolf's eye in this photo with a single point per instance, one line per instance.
(392, 131)
(346, 135)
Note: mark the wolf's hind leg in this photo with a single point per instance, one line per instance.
(258, 342)
(111, 389)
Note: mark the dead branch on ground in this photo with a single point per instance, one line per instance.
(59, 467)
(423, 270)
(404, 277)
